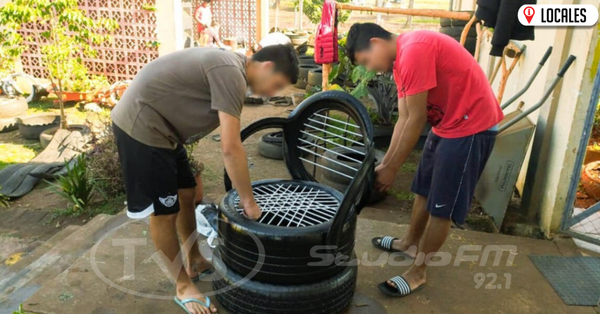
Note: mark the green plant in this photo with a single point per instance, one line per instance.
(148, 7)
(77, 185)
(313, 10)
(197, 167)
(385, 94)
(20, 310)
(345, 71)
(4, 201)
(68, 37)
(103, 160)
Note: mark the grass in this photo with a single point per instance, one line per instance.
(21, 311)
(18, 153)
(110, 206)
(409, 167)
(401, 195)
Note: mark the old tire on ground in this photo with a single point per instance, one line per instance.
(47, 135)
(12, 107)
(303, 75)
(32, 126)
(457, 31)
(270, 145)
(330, 296)
(287, 251)
(8, 124)
(343, 164)
(445, 22)
(306, 59)
(315, 77)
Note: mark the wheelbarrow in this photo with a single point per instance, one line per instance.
(497, 182)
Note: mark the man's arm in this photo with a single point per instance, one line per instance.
(398, 128)
(236, 164)
(416, 109)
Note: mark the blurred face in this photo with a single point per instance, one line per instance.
(266, 82)
(376, 57)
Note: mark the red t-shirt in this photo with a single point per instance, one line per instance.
(460, 100)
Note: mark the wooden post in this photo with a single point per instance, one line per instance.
(464, 16)
(327, 67)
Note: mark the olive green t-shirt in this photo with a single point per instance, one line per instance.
(177, 97)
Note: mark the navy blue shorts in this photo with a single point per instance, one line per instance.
(448, 173)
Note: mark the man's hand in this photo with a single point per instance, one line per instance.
(384, 177)
(251, 210)
(236, 164)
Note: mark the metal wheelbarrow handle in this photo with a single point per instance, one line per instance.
(531, 79)
(533, 108)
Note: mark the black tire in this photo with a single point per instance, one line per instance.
(12, 107)
(47, 135)
(306, 59)
(470, 44)
(457, 31)
(303, 75)
(286, 250)
(330, 296)
(8, 124)
(343, 165)
(315, 77)
(445, 22)
(270, 145)
(374, 198)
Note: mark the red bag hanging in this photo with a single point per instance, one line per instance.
(326, 45)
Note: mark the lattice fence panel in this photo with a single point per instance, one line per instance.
(120, 59)
(238, 18)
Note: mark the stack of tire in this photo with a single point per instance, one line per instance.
(454, 28)
(266, 269)
(311, 74)
(10, 109)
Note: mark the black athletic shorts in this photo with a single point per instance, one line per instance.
(449, 171)
(152, 176)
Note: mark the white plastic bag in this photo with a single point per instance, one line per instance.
(204, 227)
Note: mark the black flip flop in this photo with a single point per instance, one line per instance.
(402, 288)
(385, 243)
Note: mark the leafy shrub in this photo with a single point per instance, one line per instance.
(197, 167)
(77, 185)
(103, 161)
(4, 202)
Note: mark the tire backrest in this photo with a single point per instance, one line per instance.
(357, 193)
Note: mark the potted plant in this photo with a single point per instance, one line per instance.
(68, 37)
(197, 168)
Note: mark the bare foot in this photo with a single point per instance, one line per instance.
(414, 277)
(408, 249)
(199, 265)
(191, 292)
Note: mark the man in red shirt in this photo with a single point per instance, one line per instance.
(438, 82)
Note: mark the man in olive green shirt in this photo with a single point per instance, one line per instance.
(178, 98)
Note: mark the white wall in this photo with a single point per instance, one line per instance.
(544, 179)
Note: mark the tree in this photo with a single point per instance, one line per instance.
(313, 9)
(68, 37)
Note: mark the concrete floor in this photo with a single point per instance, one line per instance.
(107, 281)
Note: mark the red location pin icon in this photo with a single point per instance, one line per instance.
(529, 12)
